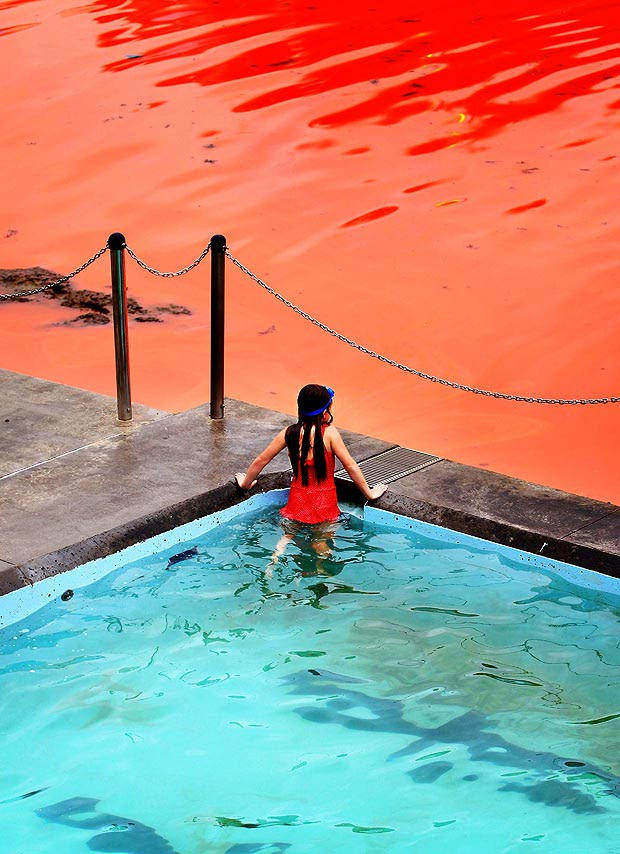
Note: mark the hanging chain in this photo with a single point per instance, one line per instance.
(189, 267)
(58, 281)
(406, 368)
(315, 322)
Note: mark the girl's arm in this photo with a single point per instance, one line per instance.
(248, 479)
(353, 470)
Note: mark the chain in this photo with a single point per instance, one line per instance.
(406, 368)
(315, 322)
(58, 281)
(189, 267)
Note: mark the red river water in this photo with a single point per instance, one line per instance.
(437, 180)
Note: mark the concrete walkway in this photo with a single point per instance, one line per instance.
(71, 475)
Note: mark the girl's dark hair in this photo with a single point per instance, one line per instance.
(311, 397)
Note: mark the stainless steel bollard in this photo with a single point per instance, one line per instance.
(116, 245)
(218, 258)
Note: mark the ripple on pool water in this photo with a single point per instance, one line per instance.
(194, 700)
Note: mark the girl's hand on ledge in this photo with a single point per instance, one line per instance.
(239, 478)
(377, 491)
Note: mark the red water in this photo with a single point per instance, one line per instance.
(434, 180)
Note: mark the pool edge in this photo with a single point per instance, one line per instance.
(502, 533)
(136, 531)
(227, 495)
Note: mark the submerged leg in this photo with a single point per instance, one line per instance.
(279, 550)
(322, 547)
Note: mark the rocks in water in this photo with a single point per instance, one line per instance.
(95, 307)
(172, 308)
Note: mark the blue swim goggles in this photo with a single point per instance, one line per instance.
(331, 393)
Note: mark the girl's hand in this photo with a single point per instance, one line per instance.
(240, 477)
(377, 491)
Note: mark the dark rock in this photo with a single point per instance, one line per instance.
(95, 307)
(88, 318)
(13, 281)
(91, 300)
(134, 307)
(172, 308)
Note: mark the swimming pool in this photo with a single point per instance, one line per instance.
(418, 690)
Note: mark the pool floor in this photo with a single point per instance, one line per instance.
(405, 693)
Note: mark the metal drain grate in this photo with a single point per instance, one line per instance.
(391, 465)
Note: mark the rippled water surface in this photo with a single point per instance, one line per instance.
(404, 693)
(434, 182)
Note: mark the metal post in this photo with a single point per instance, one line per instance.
(218, 257)
(116, 245)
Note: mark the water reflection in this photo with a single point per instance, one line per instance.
(302, 103)
(483, 70)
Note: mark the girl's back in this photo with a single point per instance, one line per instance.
(316, 500)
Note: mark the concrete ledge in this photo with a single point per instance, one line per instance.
(137, 530)
(227, 495)
(105, 491)
(42, 420)
(103, 485)
(526, 539)
(10, 578)
(486, 494)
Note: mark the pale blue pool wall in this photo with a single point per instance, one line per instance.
(18, 604)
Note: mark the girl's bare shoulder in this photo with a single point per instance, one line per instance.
(330, 435)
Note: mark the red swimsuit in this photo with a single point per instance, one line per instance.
(316, 502)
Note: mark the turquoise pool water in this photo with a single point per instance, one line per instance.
(419, 690)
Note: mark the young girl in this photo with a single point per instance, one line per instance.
(313, 443)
